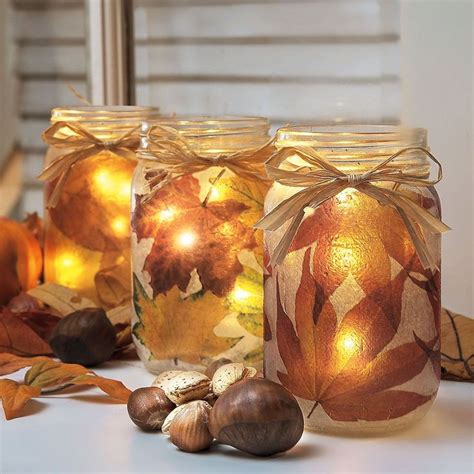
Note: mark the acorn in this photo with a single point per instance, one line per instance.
(257, 416)
(85, 337)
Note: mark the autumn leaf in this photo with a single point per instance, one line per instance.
(172, 327)
(215, 236)
(15, 396)
(46, 374)
(342, 366)
(10, 363)
(457, 346)
(60, 298)
(96, 190)
(17, 337)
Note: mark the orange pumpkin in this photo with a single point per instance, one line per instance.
(21, 260)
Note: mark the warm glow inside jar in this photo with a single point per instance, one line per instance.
(197, 261)
(351, 316)
(87, 239)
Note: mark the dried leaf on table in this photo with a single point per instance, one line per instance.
(457, 347)
(10, 363)
(120, 315)
(17, 337)
(48, 373)
(59, 298)
(15, 396)
(123, 333)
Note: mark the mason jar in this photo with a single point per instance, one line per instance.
(352, 316)
(197, 261)
(87, 229)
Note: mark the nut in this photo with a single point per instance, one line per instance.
(148, 407)
(211, 369)
(229, 374)
(186, 386)
(164, 377)
(84, 337)
(189, 429)
(257, 416)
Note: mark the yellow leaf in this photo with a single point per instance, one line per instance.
(172, 327)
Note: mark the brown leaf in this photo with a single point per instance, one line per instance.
(120, 315)
(17, 337)
(457, 346)
(10, 363)
(347, 384)
(15, 396)
(41, 322)
(123, 333)
(49, 373)
(216, 227)
(61, 299)
(113, 284)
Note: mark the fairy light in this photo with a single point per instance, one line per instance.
(348, 343)
(240, 294)
(112, 186)
(186, 239)
(68, 269)
(120, 226)
(166, 215)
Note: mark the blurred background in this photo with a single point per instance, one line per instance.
(306, 61)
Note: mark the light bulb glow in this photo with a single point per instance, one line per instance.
(166, 214)
(120, 226)
(186, 239)
(68, 269)
(110, 186)
(348, 343)
(240, 294)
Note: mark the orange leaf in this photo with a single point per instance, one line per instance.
(18, 338)
(114, 388)
(10, 363)
(50, 373)
(15, 396)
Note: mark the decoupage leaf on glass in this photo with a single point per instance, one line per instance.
(342, 366)
(15, 396)
(17, 337)
(190, 234)
(173, 328)
(96, 196)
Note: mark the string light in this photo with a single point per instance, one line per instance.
(186, 239)
(112, 187)
(240, 294)
(120, 226)
(68, 269)
(166, 214)
(348, 343)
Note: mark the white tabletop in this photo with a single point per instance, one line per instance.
(84, 432)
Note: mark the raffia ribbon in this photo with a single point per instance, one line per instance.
(172, 156)
(82, 145)
(321, 181)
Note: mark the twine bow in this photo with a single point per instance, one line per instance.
(322, 181)
(83, 144)
(172, 156)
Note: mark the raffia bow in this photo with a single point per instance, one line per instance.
(83, 144)
(172, 157)
(321, 181)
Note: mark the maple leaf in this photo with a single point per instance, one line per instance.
(172, 327)
(217, 234)
(95, 192)
(341, 366)
(18, 335)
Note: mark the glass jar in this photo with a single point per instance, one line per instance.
(197, 261)
(87, 231)
(352, 318)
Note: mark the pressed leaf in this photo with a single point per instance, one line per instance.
(17, 337)
(10, 363)
(216, 227)
(342, 382)
(15, 396)
(61, 299)
(172, 327)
